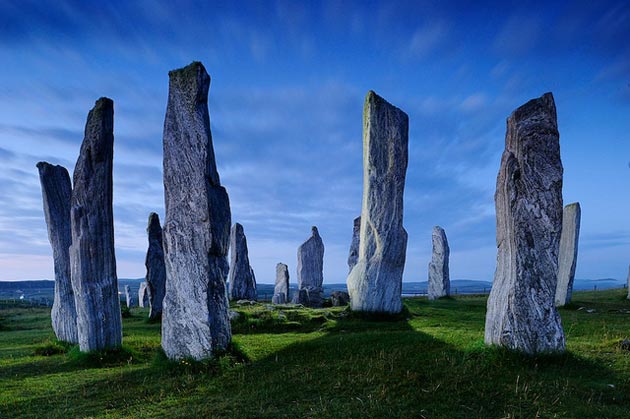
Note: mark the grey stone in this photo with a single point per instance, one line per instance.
(156, 270)
(280, 298)
(242, 279)
(128, 297)
(339, 298)
(310, 271)
(567, 258)
(234, 315)
(57, 194)
(439, 279)
(195, 320)
(92, 257)
(375, 282)
(282, 284)
(243, 302)
(143, 295)
(353, 256)
(628, 283)
(521, 313)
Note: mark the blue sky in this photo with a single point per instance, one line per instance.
(288, 83)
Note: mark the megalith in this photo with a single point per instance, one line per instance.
(195, 320)
(156, 271)
(56, 194)
(375, 282)
(439, 280)
(242, 279)
(310, 271)
(521, 314)
(128, 296)
(143, 295)
(281, 288)
(567, 258)
(92, 257)
(353, 256)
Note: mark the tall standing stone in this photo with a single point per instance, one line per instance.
(128, 296)
(143, 295)
(92, 256)
(375, 282)
(195, 319)
(281, 288)
(310, 271)
(353, 256)
(567, 259)
(439, 279)
(628, 283)
(57, 193)
(242, 279)
(156, 271)
(521, 313)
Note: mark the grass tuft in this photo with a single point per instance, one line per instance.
(52, 347)
(104, 358)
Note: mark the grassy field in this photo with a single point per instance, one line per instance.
(429, 362)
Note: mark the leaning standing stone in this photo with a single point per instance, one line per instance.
(128, 297)
(92, 256)
(143, 295)
(439, 280)
(281, 288)
(195, 320)
(567, 258)
(57, 193)
(242, 279)
(353, 256)
(310, 271)
(375, 282)
(156, 271)
(521, 313)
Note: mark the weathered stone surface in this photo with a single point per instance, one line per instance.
(282, 284)
(439, 279)
(92, 257)
(242, 279)
(196, 232)
(156, 270)
(128, 296)
(375, 282)
(567, 258)
(310, 271)
(57, 193)
(143, 295)
(339, 298)
(628, 283)
(521, 312)
(353, 256)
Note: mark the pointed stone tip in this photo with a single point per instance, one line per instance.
(314, 231)
(544, 103)
(372, 99)
(104, 103)
(194, 70)
(42, 165)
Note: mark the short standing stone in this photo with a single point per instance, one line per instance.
(128, 296)
(143, 295)
(195, 320)
(92, 257)
(310, 271)
(439, 279)
(57, 193)
(156, 270)
(282, 284)
(375, 282)
(339, 298)
(353, 256)
(242, 279)
(521, 313)
(567, 258)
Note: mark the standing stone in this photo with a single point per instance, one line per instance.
(439, 280)
(92, 256)
(521, 314)
(242, 279)
(143, 295)
(281, 289)
(567, 258)
(128, 297)
(628, 283)
(353, 257)
(57, 193)
(195, 320)
(156, 271)
(339, 298)
(310, 271)
(375, 282)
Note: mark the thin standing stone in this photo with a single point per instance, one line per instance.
(353, 256)
(242, 279)
(439, 278)
(156, 271)
(281, 288)
(567, 259)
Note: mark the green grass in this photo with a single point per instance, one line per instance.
(287, 362)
